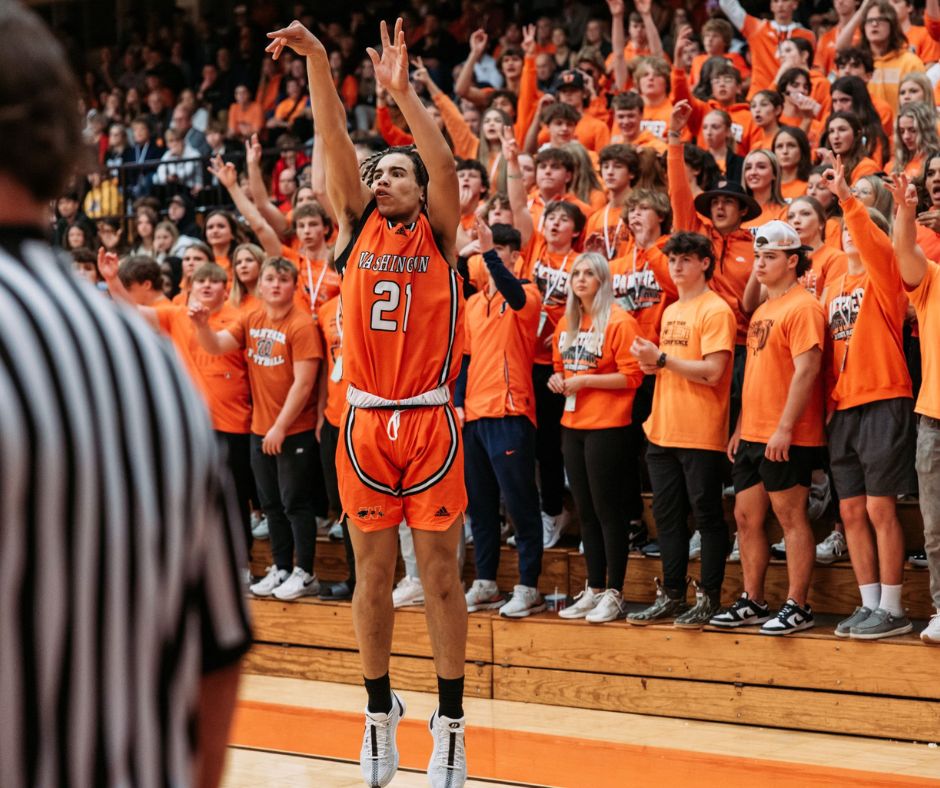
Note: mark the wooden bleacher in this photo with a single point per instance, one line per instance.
(810, 681)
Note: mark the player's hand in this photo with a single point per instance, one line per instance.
(484, 235)
(108, 264)
(645, 352)
(391, 67)
(225, 172)
(273, 441)
(253, 151)
(778, 447)
(734, 444)
(478, 42)
(556, 383)
(679, 118)
(199, 314)
(295, 36)
(528, 40)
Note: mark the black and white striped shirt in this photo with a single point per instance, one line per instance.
(119, 547)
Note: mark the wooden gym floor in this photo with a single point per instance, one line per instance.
(292, 732)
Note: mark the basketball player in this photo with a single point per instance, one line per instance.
(400, 455)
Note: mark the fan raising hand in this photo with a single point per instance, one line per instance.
(391, 67)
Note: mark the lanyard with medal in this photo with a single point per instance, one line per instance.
(314, 291)
(554, 280)
(337, 374)
(572, 399)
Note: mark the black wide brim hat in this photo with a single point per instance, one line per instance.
(728, 189)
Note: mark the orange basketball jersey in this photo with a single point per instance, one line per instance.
(402, 309)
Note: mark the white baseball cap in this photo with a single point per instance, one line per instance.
(777, 236)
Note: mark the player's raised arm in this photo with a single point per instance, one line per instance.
(348, 194)
(391, 71)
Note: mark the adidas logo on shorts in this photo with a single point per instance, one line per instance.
(442, 512)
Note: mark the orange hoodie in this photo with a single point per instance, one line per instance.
(747, 134)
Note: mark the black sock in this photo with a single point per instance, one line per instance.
(380, 694)
(450, 697)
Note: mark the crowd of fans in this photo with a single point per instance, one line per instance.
(686, 214)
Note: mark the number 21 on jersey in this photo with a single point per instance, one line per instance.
(389, 299)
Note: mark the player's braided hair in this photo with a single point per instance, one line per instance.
(367, 168)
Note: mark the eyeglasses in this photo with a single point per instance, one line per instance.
(877, 20)
(724, 79)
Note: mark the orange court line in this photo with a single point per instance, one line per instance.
(519, 756)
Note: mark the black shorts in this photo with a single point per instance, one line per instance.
(871, 449)
(751, 467)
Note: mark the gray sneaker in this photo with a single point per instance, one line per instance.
(881, 624)
(699, 615)
(667, 605)
(843, 628)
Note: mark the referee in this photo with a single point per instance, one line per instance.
(122, 620)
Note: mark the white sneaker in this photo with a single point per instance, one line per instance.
(525, 601)
(272, 579)
(484, 595)
(584, 603)
(695, 546)
(610, 607)
(467, 530)
(735, 555)
(511, 540)
(336, 532)
(552, 529)
(323, 526)
(932, 632)
(832, 548)
(448, 765)
(408, 592)
(300, 583)
(779, 550)
(581, 547)
(259, 526)
(378, 757)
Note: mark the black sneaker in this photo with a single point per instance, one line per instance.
(743, 613)
(918, 558)
(791, 618)
(651, 550)
(637, 535)
(706, 607)
(337, 592)
(668, 604)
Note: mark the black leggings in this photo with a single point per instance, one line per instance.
(597, 462)
(329, 438)
(238, 458)
(549, 408)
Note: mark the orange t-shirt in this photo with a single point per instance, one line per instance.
(769, 212)
(645, 139)
(764, 40)
(929, 241)
(656, 119)
(403, 304)
(290, 109)
(222, 379)
(501, 345)
(834, 233)
(536, 206)
(642, 285)
(926, 300)
(252, 116)
(549, 272)
(593, 354)
(687, 414)
(827, 263)
(922, 44)
(865, 167)
(249, 303)
(793, 189)
(331, 329)
(781, 329)
(825, 57)
(866, 320)
(317, 281)
(610, 224)
(273, 347)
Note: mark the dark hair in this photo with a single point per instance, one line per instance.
(803, 261)
(476, 166)
(704, 162)
(692, 243)
(280, 265)
(211, 271)
(856, 55)
(368, 167)
(816, 205)
(773, 96)
(625, 154)
(311, 209)
(563, 158)
(502, 93)
(715, 66)
(560, 110)
(897, 41)
(139, 269)
(572, 210)
(237, 235)
(834, 209)
(655, 199)
(722, 27)
(865, 111)
(804, 46)
(506, 235)
(802, 141)
(856, 153)
(83, 256)
(628, 100)
(790, 76)
(39, 122)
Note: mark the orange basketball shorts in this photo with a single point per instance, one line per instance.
(411, 470)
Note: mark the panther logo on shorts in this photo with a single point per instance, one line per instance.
(370, 513)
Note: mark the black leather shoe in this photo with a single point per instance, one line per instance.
(337, 592)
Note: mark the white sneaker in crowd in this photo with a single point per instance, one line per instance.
(300, 583)
(735, 554)
(484, 595)
(448, 765)
(259, 526)
(584, 603)
(610, 607)
(695, 546)
(831, 549)
(378, 757)
(273, 577)
(552, 529)
(408, 592)
(467, 530)
(336, 532)
(931, 633)
(524, 602)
